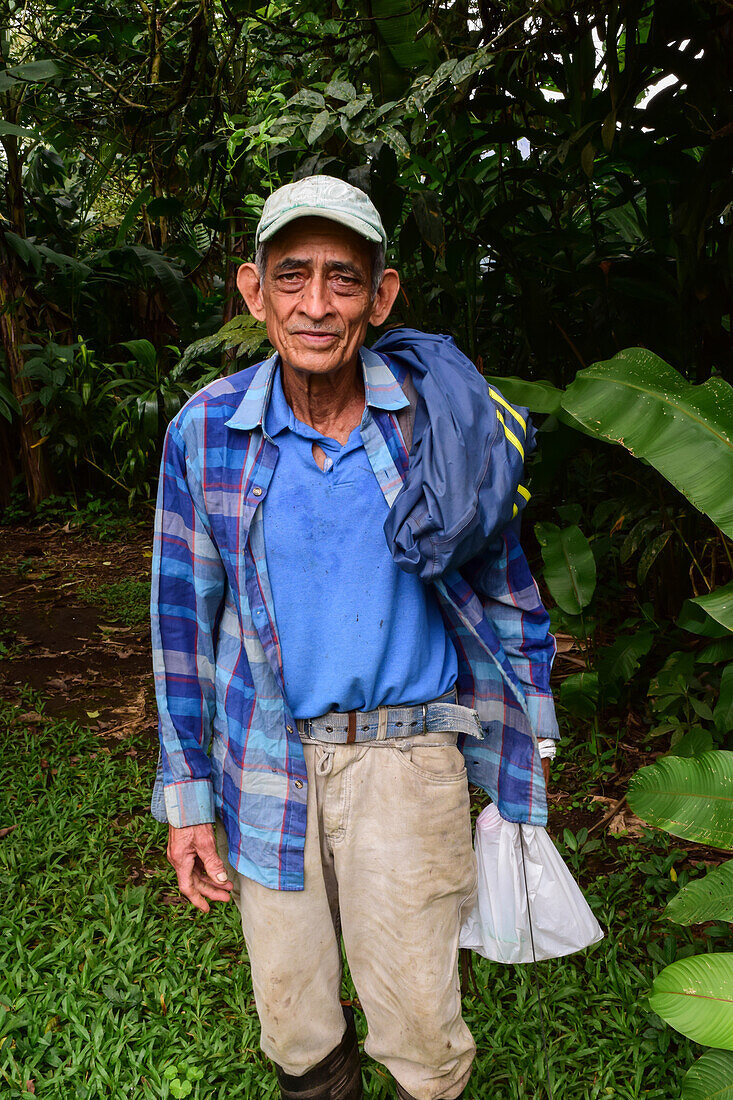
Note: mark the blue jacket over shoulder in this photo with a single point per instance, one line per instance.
(462, 487)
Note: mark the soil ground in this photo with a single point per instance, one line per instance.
(55, 637)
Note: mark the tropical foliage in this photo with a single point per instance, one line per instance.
(555, 177)
(693, 798)
(684, 432)
(555, 182)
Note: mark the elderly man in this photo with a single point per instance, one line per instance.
(342, 675)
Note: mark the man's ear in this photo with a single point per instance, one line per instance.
(384, 299)
(248, 282)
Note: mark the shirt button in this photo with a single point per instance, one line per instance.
(257, 492)
(298, 783)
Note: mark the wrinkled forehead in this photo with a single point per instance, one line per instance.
(319, 240)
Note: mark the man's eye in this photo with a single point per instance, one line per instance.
(290, 278)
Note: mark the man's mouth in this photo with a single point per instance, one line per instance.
(315, 338)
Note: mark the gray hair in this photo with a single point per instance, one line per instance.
(377, 255)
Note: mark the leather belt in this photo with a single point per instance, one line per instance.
(354, 726)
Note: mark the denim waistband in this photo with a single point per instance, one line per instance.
(435, 716)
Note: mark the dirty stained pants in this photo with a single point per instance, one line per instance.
(389, 862)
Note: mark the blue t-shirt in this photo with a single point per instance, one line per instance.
(356, 631)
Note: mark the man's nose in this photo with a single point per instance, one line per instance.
(315, 302)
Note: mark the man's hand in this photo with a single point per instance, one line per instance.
(546, 771)
(193, 856)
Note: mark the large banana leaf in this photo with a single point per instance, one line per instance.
(691, 797)
(710, 1078)
(695, 996)
(718, 604)
(570, 568)
(539, 397)
(695, 618)
(708, 898)
(683, 430)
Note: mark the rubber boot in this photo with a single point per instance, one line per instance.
(335, 1077)
(403, 1094)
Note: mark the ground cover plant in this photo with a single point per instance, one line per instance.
(111, 986)
(125, 601)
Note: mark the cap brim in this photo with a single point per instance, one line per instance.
(287, 216)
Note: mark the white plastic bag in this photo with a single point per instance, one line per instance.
(498, 926)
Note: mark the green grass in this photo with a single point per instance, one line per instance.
(125, 601)
(106, 990)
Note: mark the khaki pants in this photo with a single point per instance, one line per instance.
(388, 862)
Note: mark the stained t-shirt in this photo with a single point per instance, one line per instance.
(356, 631)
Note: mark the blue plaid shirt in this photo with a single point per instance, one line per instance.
(229, 744)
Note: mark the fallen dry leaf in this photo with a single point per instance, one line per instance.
(627, 824)
(30, 716)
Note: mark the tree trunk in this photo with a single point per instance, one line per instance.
(14, 312)
(8, 461)
(233, 301)
(13, 334)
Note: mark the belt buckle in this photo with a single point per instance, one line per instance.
(424, 718)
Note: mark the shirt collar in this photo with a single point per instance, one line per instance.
(278, 415)
(382, 389)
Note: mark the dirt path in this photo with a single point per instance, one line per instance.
(71, 631)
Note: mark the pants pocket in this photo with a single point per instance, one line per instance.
(436, 763)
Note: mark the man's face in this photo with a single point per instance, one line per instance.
(315, 296)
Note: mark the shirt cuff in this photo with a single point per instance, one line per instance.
(541, 710)
(190, 802)
(157, 801)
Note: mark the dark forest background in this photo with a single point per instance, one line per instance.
(556, 181)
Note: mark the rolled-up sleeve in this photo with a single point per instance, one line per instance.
(512, 602)
(188, 585)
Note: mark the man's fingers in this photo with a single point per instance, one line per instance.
(196, 885)
(190, 884)
(197, 900)
(215, 891)
(184, 869)
(215, 870)
(199, 870)
(206, 884)
(214, 866)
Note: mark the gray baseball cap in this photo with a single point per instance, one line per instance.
(321, 197)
